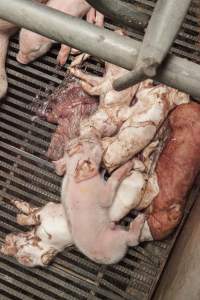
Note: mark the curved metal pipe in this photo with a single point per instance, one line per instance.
(162, 29)
(124, 13)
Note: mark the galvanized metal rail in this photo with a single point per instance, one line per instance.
(124, 13)
(102, 43)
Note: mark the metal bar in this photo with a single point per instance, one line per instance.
(70, 30)
(124, 13)
(119, 50)
(162, 29)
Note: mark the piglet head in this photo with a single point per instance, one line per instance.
(32, 46)
(85, 155)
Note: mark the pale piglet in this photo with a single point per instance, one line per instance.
(33, 45)
(87, 198)
(49, 236)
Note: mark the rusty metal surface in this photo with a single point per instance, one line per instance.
(26, 174)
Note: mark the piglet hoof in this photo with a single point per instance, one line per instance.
(9, 247)
(137, 223)
(135, 230)
(48, 256)
(79, 60)
(25, 260)
(62, 59)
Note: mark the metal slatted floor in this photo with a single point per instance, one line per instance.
(26, 174)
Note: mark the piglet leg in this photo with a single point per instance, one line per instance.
(63, 54)
(93, 85)
(113, 184)
(95, 17)
(90, 79)
(29, 214)
(135, 230)
(113, 242)
(99, 19)
(24, 206)
(79, 59)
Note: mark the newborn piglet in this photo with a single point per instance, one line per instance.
(49, 235)
(87, 199)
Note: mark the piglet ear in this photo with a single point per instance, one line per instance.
(85, 169)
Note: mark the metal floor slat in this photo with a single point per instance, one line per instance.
(26, 173)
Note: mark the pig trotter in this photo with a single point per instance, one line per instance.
(79, 60)
(29, 214)
(135, 230)
(28, 220)
(63, 55)
(113, 183)
(23, 206)
(90, 79)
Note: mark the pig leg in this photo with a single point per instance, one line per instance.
(93, 85)
(79, 59)
(99, 19)
(113, 184)
(91, 16)
(24, 206)
(9, 247)
(95, 17)
(29, 214)
(3, 77)
(63, 54)
(28, 220)
(4, 40)
(92, 90)
(6, 30)
(90, 79)
(113, 242)
(135, 230)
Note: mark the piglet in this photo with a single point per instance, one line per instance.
(86, 198)
(50, 234)
(33, 45)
